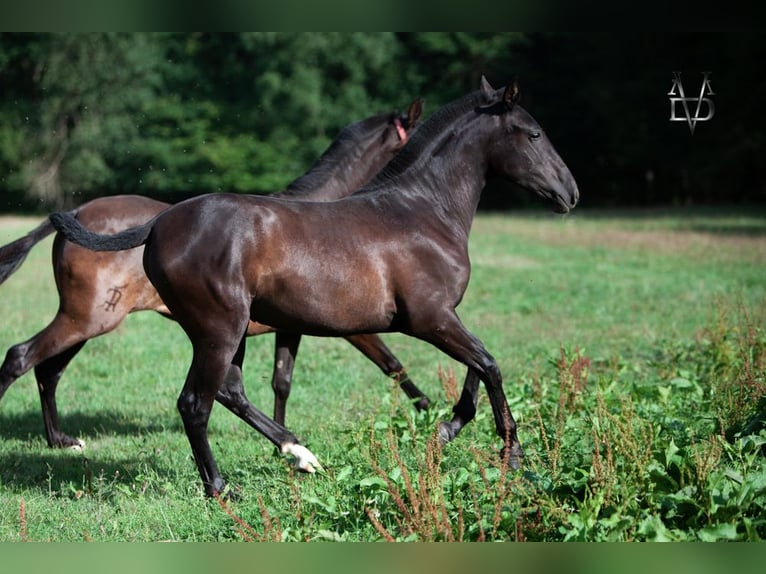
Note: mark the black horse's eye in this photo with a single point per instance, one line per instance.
(534, 135)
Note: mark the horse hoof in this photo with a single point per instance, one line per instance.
(305, 461)
(68, 442)
(446, 433)
(514, 455)
(228, 495)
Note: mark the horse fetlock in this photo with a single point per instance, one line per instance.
(218, 489)
(305, 460)
(422, 404)
(224, 495)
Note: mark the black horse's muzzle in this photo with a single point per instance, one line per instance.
(565, 196)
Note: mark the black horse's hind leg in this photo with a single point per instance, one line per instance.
(453, 338)
(286, 349)
(372, 347)
(232, 396)
(48, 374)
(206, 375)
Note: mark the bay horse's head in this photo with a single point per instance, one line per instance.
(523, 153)
(400, 127)
(359, 152)
(378, 139)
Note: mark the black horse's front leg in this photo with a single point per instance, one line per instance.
(454, 339)
(464, 411)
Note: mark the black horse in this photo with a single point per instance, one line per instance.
(98, 290)
(391, 257)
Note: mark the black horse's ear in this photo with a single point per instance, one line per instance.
(414, 112)
(486, 89)
(512, 94)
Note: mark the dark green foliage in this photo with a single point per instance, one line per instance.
(173, 115)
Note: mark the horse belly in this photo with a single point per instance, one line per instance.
(322, 302)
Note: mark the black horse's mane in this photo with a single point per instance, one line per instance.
(425, 140)
(343, 150)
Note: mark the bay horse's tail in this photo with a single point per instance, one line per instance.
(13, 254)
(67, 224)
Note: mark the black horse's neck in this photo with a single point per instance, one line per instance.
(355, 156)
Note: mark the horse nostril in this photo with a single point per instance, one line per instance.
(574, 193)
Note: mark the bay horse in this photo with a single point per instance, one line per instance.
(98, 290)
(391, 257)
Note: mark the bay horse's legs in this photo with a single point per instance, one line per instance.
(48, 374)
(373, 348)
(286, 349)
(48, 352)
(451, 337)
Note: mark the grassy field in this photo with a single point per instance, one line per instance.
(633, 350)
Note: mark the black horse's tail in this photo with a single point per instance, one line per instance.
(67, 224)
(14, 254)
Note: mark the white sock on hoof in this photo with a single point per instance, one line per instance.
(304, 458)
(79, 446)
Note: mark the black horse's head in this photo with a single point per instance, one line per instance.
(524, 154)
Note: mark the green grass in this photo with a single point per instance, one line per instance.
(633, 351)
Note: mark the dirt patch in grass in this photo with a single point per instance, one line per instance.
(744, 247)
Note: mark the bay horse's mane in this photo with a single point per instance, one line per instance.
(423, 144)
(345, 149)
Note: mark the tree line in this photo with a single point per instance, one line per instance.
(171, 115)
